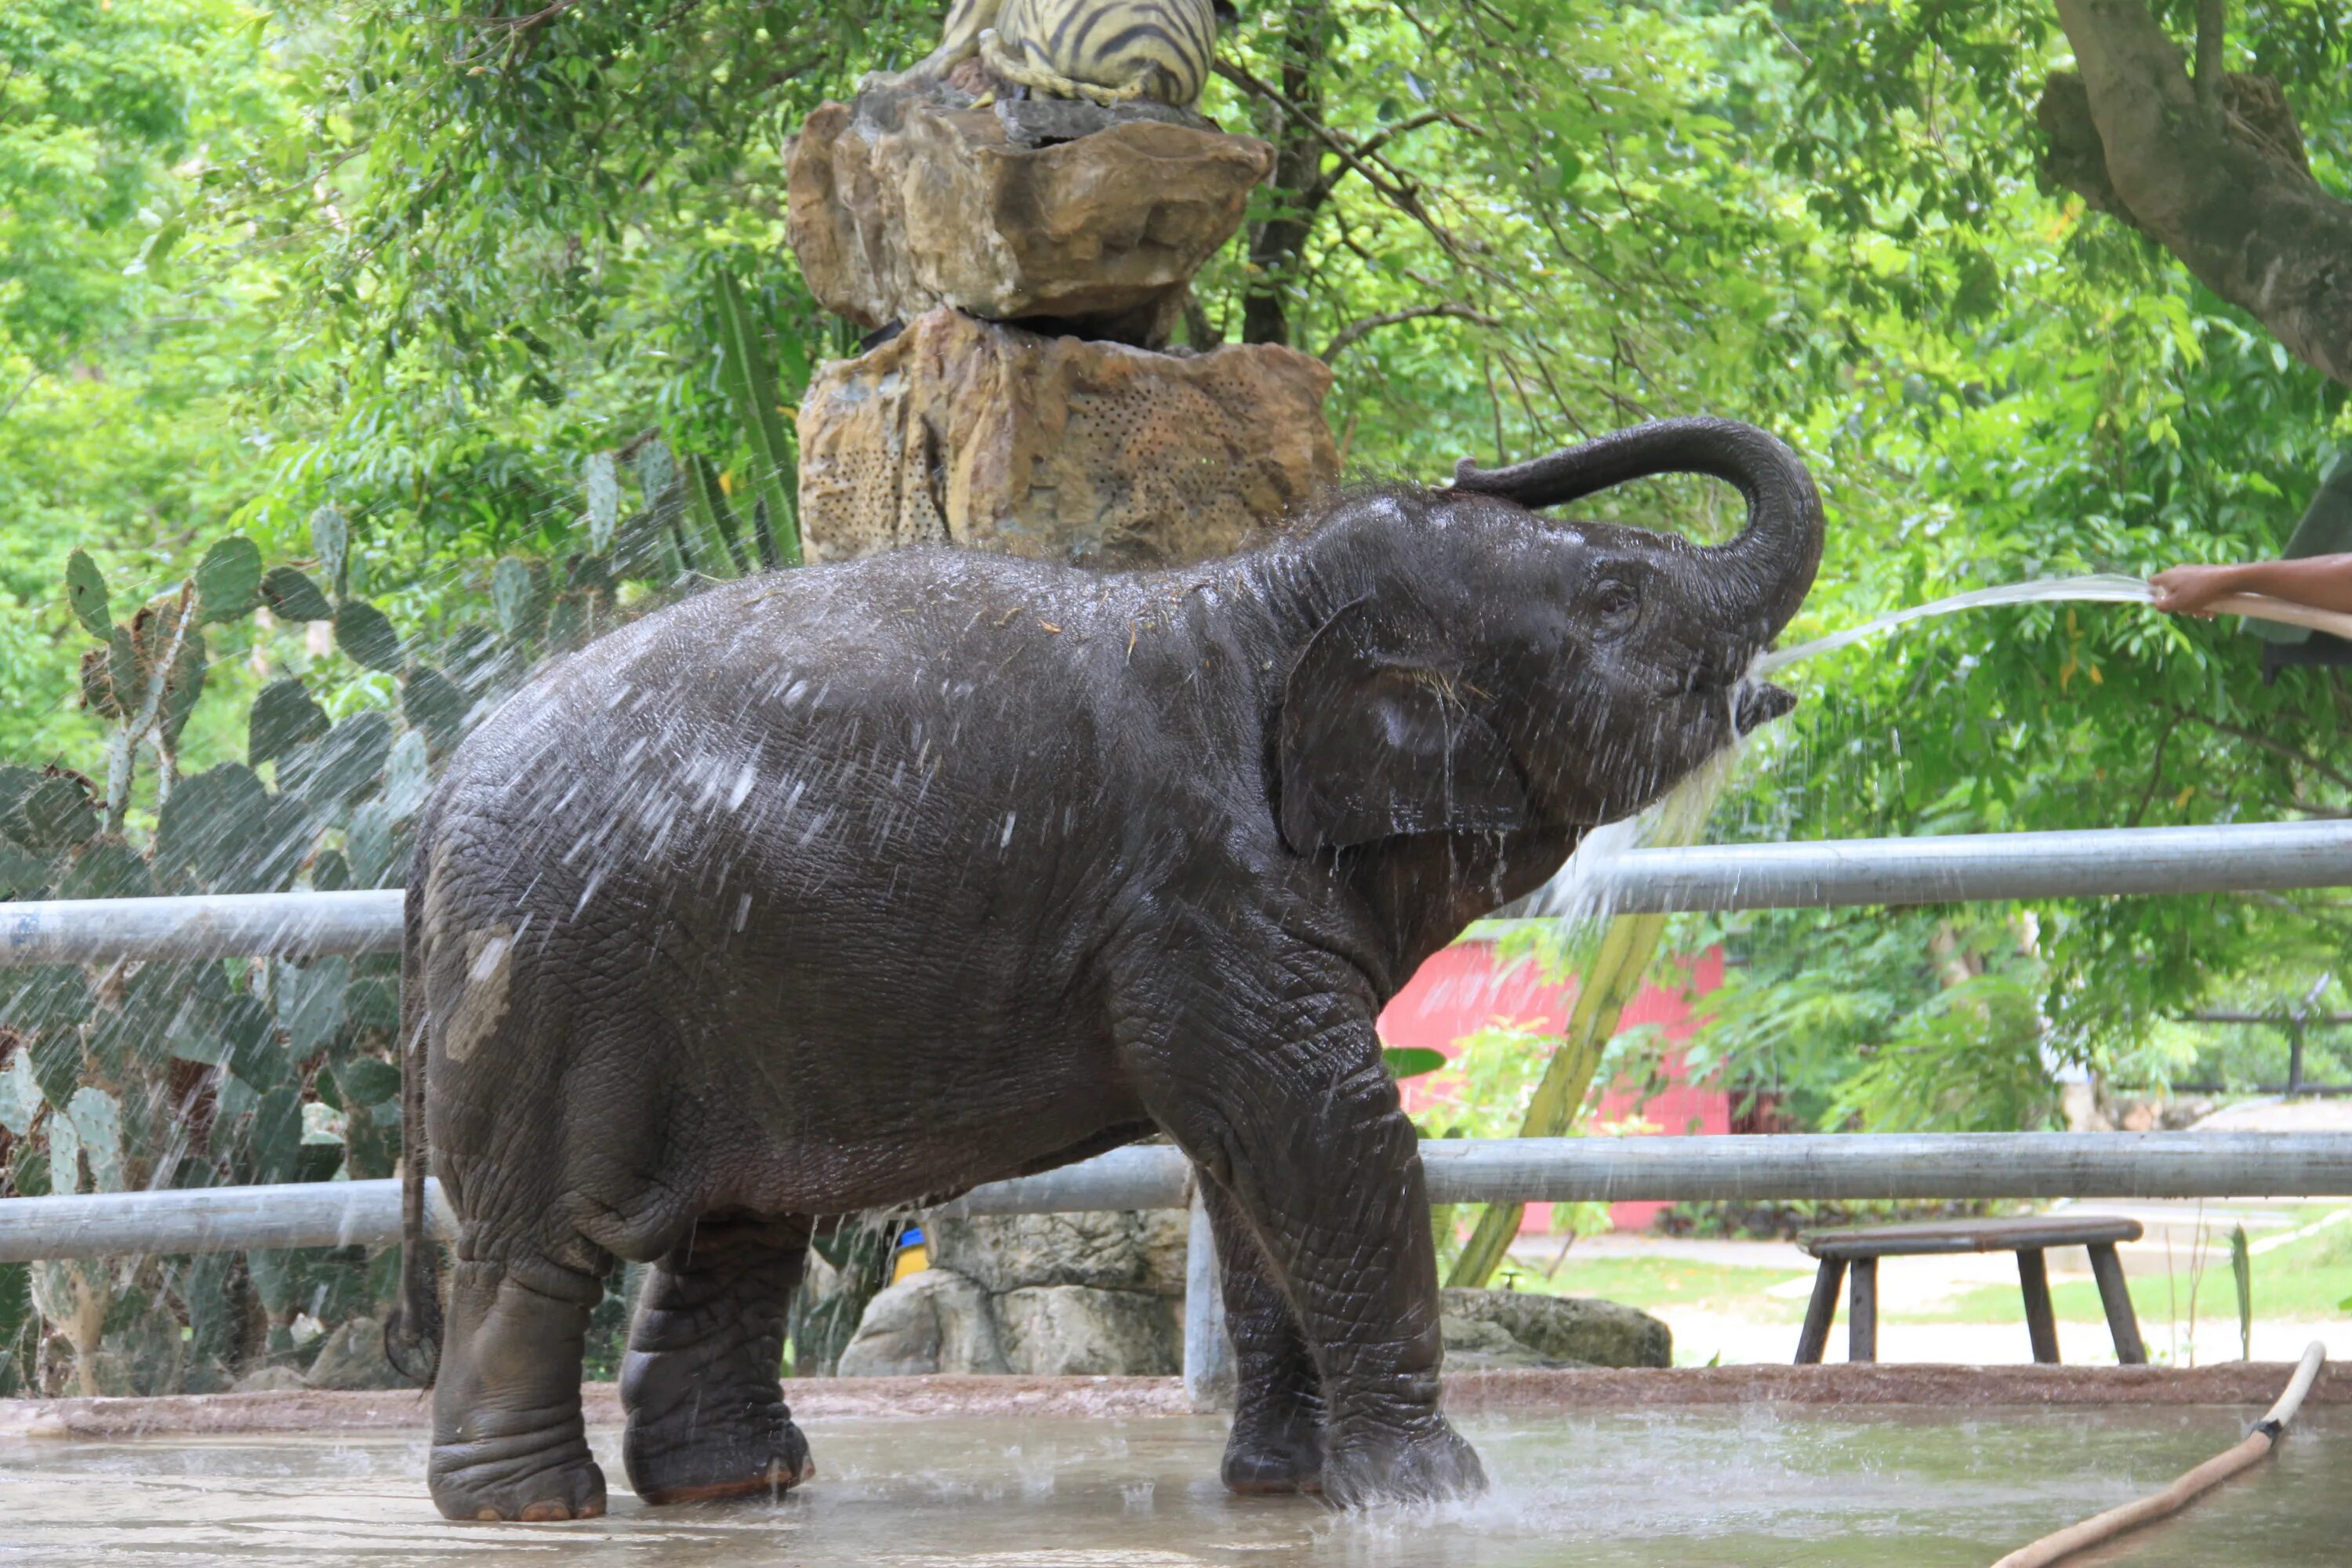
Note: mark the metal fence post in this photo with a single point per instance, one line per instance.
(1207, 1352)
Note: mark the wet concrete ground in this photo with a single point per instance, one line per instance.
(1681, 1487)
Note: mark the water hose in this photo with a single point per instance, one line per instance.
(2264, 607)
(2256, 1447)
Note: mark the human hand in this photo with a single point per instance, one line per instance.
(2188, 590)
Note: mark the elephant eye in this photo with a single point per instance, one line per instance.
(1616, 601)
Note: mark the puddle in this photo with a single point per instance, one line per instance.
(1693, 1489)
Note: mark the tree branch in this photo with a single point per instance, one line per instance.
(1354, 332)
(2223, 189)
(2213, 25)
(2276, 748)
(2154, 775)
(1395, 187)
(1387, 133)
(17, 396)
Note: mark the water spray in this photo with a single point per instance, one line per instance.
(2097, 588)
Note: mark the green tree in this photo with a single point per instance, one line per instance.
(509, 294)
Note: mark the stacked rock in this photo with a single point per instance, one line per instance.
(1020, 265)
(1048, 1295)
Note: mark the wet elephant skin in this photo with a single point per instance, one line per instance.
(862, 884)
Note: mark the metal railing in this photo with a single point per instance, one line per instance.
(1502, 1169)
(1783, 1167)
(1977, 867)
(1963, 867)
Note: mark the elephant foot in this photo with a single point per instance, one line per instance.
(1270, 1455)
(507, 1439)
(513, 1478)
(701, 1455)
(778, 1478)
(1427, 1462)
(706, 1413)
(684, 1443)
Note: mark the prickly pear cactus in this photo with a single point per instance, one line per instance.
(126, 1077)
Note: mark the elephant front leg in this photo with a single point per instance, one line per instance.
(1277, 1442)
(1305, 1130)
(706, 1404)
(507, 1439)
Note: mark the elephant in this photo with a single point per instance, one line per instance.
(859, 885)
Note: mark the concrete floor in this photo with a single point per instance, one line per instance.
(1701, 1488)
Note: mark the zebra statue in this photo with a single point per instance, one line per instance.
(1107, 51)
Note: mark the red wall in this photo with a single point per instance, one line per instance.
(1464, 988)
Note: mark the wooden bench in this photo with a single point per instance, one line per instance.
(1863, 1246)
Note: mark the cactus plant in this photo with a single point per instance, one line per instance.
(195, 1074)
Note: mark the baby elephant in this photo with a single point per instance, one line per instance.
(860, 885)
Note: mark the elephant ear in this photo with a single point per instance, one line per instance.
(1374, 742)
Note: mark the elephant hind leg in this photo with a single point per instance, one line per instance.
(509, 1441)
(1277, 1442)
(700, 1384)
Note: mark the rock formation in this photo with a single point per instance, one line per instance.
(1083, 1294)
(1103, 1294)
(1029, 260)
(972, 433)
(1021, 267)
(903, 203)
(1473, 1344)
(1562, 1331)
(935, 1321)
(351, 1357)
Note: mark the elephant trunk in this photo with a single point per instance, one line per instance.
(1767, 570)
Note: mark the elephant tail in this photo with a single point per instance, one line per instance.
(412, 1331)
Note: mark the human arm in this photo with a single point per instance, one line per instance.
(2322, 582)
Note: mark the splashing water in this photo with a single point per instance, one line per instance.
(1575, 897)
(2097, 588)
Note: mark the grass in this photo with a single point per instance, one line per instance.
(2306, 1280)
(2302, 1283)
(1652, 1282)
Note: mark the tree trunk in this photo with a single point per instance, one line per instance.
(1955, 965)
(1298, 192)
(2213, 185)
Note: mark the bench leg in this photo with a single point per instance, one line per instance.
(1815, 1336)
(2041, 1321)
(2123, 1322)
(1862, 1312)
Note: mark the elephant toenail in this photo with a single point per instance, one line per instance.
(488, 1515)
(545, 1513)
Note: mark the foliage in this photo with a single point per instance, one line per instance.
(2242, 1274)
(1484, 1089)
(2052, 396)
(1855, 1021)
(1411, 1061)
(1484, 1092)
(480, 328)
(2054, 715)
(1519, 223)
(136, 1076)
